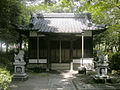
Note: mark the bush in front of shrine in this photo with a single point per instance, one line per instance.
(5, 79)
(114, 61)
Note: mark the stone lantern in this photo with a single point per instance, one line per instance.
(102, 66)
(19, 66)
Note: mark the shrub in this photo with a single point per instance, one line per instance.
(95, 54)
(114, 61)
(5, 78)
(95, 57)
(6, 60)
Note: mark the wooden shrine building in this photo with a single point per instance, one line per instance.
(58, 40)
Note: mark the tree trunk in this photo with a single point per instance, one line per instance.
(119, 44)
(106, 49)
(99, 45)
(20, 40)
(7, 47)
(1, 47)
(20, 44)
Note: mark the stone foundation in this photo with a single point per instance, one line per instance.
(19, 71)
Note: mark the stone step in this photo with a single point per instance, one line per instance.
(60, 66)
(75, 66)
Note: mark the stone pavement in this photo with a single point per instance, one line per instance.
(45, 81)
(60, 80)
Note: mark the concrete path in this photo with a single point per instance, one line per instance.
(46, 81)
(60, 80)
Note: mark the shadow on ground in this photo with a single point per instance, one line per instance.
(62, 80)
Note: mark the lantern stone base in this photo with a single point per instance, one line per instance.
(102, 73)
(17, 77)
(19, 71)
(102, 79)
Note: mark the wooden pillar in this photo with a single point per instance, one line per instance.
(92, 46)
(71, 50)
(71, 55)
(37, 49)
(60, 53)
(82, 47)
(48, 56)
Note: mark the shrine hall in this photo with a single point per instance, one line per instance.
(61, 40)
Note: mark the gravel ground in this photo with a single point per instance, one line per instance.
(45, 81)
(61, 80)
(86, 82)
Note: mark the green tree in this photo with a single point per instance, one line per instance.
(13, 14)
(60, 6)
(106, 12)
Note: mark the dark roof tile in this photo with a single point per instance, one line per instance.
(62, 23)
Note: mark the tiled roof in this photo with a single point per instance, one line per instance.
(61, 23)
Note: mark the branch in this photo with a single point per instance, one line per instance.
(118, 7)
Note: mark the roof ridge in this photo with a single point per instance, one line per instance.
(62, 15)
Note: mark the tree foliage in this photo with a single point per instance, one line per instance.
(114, 63)
(12, 14)
(106, 12)
(59, 6)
